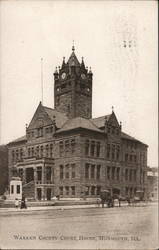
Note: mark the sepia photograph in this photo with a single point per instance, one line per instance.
(79, 124)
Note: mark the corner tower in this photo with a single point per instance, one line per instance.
(73, 88)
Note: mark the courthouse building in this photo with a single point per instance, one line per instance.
(66, 152)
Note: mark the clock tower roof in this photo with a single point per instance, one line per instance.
(73, 61)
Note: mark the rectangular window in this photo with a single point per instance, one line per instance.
(61, 172)
(118, 173)
(61, 148)
(37, 151)
(61, 190)
(87, 147)
(41, 151)
(126, 157)
(98, 190)
(108, 151)
(135, 175)
(67, 145)
(73, 170)
(67, 171)
(48, 173)
(51, 150)
(18, 189)
(98, 171)
(92, 190)
(47, 151)
(87, 170)
(92, 148)
(67, 190)
(126, 174)
(108, 173)
(73, 190)
(20, 173)
(130, 175)
(113, 173)
(39, 173)
(92, 171)
(73, 146)
(113, 152)
(98, 149)
(117, 152)
(12, 189)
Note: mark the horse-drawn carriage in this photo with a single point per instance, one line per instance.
(106, 198)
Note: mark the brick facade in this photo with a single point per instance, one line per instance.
(67, 153)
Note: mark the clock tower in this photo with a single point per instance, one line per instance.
(73, 88)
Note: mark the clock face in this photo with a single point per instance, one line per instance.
(83, 76)
(63, 76)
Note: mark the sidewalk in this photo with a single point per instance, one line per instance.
(42, 208)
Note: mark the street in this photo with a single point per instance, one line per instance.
(82, 228)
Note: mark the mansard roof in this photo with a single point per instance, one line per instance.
(79, 122)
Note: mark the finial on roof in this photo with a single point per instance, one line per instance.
(56, 72)
(90, 70)
(26, 125)
(120, 125)
(112, 109)
(73, 46)
(63, 59)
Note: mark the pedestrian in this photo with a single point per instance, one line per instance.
(98, 202)
(23, 203)
(16, 203)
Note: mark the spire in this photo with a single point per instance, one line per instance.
(73, 47)
(82, 63)
(112, 109)
(63, 63)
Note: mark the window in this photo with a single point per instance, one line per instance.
(48, 173)
(126, 157)
(73, 170)
(98, 149)
(51, 150)
(12, 189)
(32, 133)
(92, 171)
(108, 173)
(61, 190)
(67, 190)
(108, 151)
(130, 157)
(73, 190)
(41, 151)
(87, 147)
(92, 190)
(118, 174)
(13, 156)
(98, 171)
(61, 172)
(28, 152)
(32, 152)
(21, 153)
(130, 175)
(98, 190)
(117, 152)
(18, 189)
(113, 173)
(39, 132)
(92, 148)
(87, 170)
(47, 150)
(135, 175)
(135, 158)
(37, 151)
(67, 146)
(113, 152)
(61, 148)
(67, 171)
(20, 172)
(17, 155)
(39, 173)
(126, 174)
(73, 145)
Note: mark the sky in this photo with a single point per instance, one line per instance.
(118, 40)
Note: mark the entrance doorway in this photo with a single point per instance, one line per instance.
(48, 194)
(29, 175)
(116, 191)
(39, 193)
